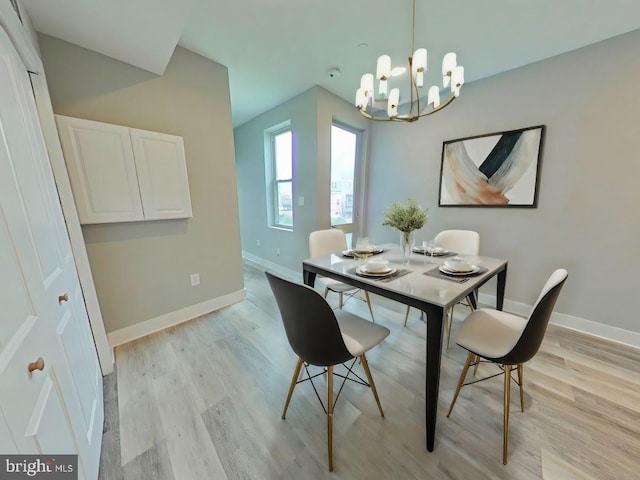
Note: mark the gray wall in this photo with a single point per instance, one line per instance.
(311, 114)
(587, 215)
(141, 269)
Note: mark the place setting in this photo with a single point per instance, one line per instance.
(363, 250)
(378, 268)
(430, 249)
(456, 269)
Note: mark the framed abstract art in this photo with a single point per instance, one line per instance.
(492, 170)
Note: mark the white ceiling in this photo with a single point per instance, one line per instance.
(275, 49)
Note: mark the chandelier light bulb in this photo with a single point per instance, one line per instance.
(419, 66)
(449, 63)
(366, 84)
(457, 80)
(383, 72)
(434, 96)
(392, 105)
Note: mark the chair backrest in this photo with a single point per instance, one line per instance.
(531, 338)
(309, 322)
(464, 242)
(324, 242)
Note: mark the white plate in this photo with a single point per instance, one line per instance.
(444, 269)
(364, 273)
(435, 254)
(349, 253)
(379, 270)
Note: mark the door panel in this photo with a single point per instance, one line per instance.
(48, 427)
(14, 297)
(7, 445)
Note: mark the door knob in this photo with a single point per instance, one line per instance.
(63, 298)
(37, 365)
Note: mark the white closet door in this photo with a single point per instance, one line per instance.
(101, 169)
(57, 406)
(162, 174)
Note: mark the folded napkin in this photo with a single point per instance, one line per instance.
(435, 255)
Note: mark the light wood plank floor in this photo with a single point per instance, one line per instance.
(203, 401)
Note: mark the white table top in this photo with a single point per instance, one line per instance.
(436, 291)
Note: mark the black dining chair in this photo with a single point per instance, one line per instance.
(507, 340)
(325, 338)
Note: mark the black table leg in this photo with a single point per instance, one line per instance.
(308, 277)
(435, 319)
(502, 282)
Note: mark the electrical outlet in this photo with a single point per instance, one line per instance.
(277, 251)
(195, 279)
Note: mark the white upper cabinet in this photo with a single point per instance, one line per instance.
(162, 174)
(121, 174)
(101, 169)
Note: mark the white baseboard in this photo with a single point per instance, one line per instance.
(614, 334)
(147, 327)
(263, 264)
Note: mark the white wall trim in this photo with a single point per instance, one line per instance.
(600, 330)
(147, 327)
(263, 264)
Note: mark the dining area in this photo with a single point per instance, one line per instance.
(432, 278)
(421, 281)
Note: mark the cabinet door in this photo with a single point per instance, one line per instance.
(162, 174)
(103, 175)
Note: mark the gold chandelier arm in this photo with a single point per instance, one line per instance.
(413, 118)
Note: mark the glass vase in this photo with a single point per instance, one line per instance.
(407, 242)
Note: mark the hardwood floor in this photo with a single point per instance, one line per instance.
(203, 401)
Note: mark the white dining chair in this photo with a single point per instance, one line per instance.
(462, 242)
(324, 242)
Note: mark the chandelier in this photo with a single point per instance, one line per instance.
(373, 106)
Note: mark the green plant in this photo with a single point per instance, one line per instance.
(406, 218)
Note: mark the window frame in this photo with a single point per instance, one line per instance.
(273, 183)
(356, 187)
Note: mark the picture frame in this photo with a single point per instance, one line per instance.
(492, 170)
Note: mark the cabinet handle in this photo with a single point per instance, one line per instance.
(63, 298)
(37, 365)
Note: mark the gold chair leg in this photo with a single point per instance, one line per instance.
(463, 375)
(330, 415)
(326, 292)
(294, 379)
(406, 315)
(341, 295)
(507, 395)
(366, 294)
(449, 320)
(475, 367)
(520, 375)
(365, 366)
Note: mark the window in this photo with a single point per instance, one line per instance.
(280, 176)
(343, 163)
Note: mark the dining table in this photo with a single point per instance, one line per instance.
(419, 284)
